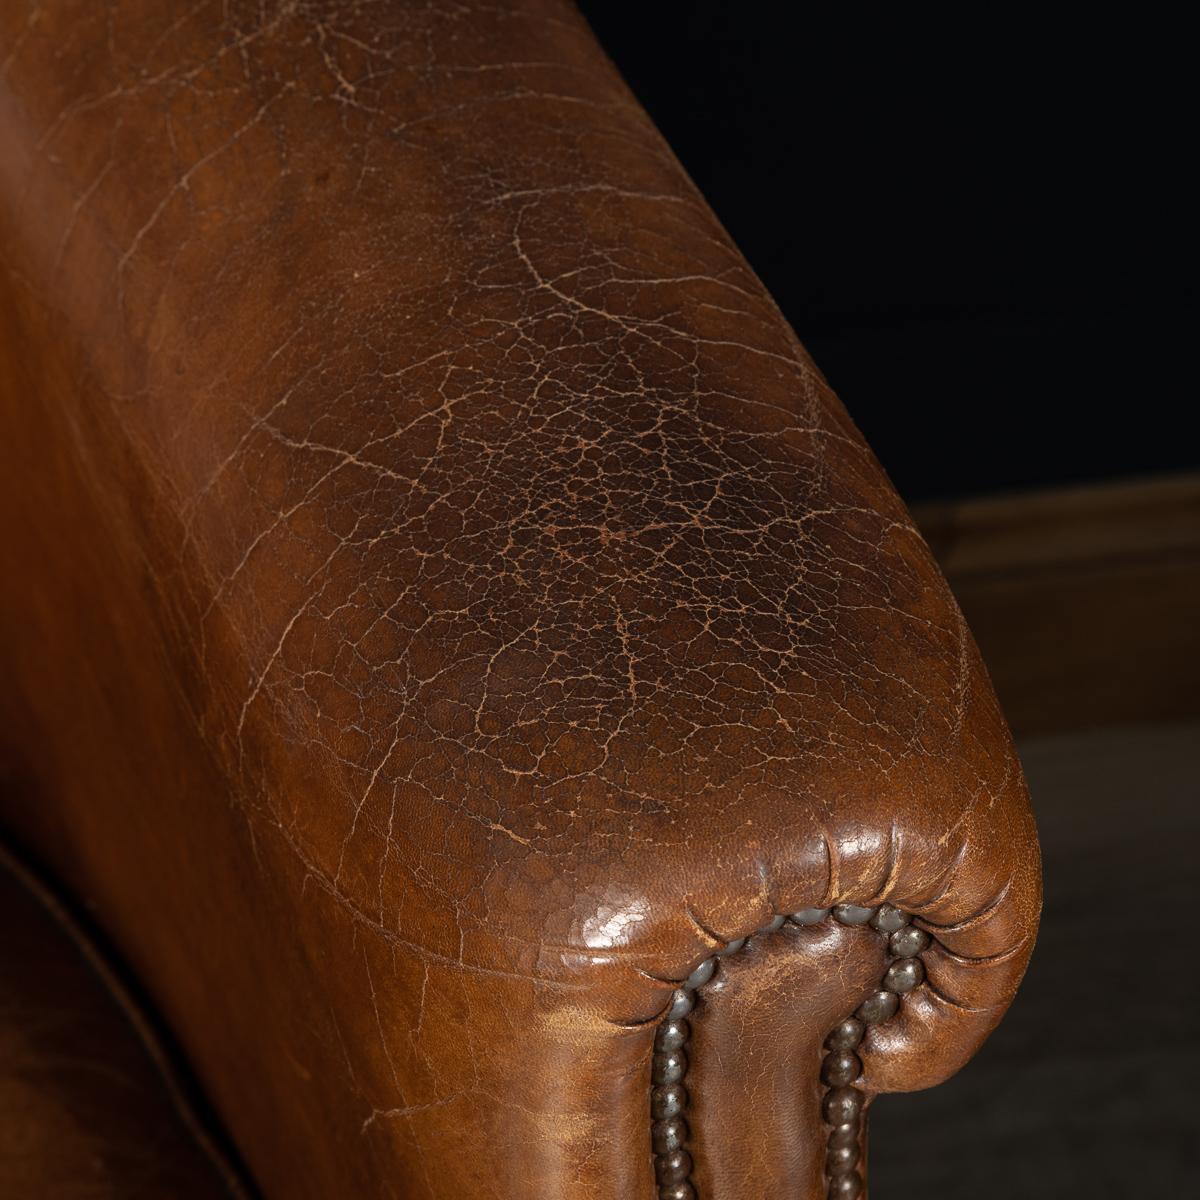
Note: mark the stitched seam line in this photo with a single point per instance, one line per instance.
(842, 1106)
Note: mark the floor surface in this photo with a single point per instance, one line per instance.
(1088, 1087)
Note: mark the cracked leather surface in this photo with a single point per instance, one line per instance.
(447, 597)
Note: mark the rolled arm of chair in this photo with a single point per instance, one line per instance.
(478, 649)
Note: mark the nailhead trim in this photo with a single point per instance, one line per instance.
(842, 1105)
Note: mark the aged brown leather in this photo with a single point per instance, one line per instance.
(442, 600)
(84, 1113)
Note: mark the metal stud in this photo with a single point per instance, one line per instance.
(701, 975)
(878, 1008)
(669, 1136)
(888, 918)
(669, 1067)
(671, 1035)
(852, 914)
(682, 1003)
(668, 1101)
(674, 1167)
(845, 1187)
(677, 1191)
(908, 942)
(840, 1067)
(846, 1036)
(732, 948)
(840, 1159)
(810, 916)
(842, 1105)
(844, 1135)
(903, 975)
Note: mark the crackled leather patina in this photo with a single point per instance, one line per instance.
(442, 602)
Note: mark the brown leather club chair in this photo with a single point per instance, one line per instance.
(455, 646)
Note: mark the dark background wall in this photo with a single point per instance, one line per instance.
(976, 220)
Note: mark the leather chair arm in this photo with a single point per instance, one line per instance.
(454, 609)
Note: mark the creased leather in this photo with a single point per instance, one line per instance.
(449, 597)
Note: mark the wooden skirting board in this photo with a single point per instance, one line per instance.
(1084, 601)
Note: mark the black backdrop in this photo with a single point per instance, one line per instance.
(976, 220)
